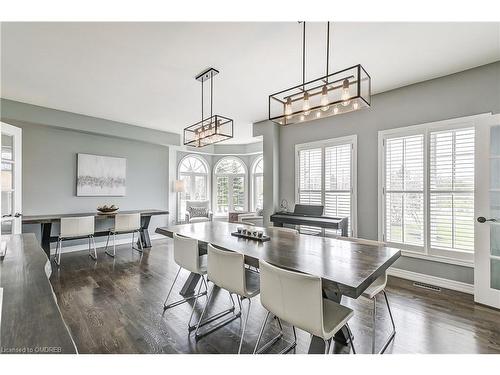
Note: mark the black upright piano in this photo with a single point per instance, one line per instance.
(311, 215)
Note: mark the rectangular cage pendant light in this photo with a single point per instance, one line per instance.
(210, 130)
(344, 91)
(340, 92)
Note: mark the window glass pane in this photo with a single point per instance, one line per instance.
(192, 164)
(259, 166)
(230, 166)
(404, 195)
(259, 192)
(7, 176)
(238, 194)
(7, 146)
(452, 189)
(310, 169)
(199, 192)
(222, 194)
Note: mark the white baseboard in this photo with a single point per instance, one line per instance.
(432, 280)
(101, 243)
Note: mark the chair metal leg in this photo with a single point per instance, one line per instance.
(275, 339)
(327, 345)
(244, 323)
(57, 255)
(184, 300)
(106, 248)
(92, 241)
(215, 317)
(194, 304)
(260, 332)
(350, 338)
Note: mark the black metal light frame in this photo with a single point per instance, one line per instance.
(220, 127)
(332, 81)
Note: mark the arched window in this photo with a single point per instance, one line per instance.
(230, 185)
(258, 184)
(193, 170)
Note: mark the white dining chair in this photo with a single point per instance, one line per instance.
(125, 223)
(73, 228)
(297, 298)
(187, 256)
(226, 270)
(371, 293)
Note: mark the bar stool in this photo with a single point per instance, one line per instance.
(73, 228)
(297, 298)
(377, 287)
(125, 223)
(226, 270)
(186, 255)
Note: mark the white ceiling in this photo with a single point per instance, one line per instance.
(143, 73)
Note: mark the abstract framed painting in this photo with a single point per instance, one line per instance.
(100, 176)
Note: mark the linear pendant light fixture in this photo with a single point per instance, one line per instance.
(213, 129)
(344, 91)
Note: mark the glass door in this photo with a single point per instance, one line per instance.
(11, 193)
(487, 210)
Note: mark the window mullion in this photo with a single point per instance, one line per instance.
(427, 174)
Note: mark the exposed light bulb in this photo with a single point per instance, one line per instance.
(345, 93)
(355, 105)
(324, 99)
(335, 110)
(306, 106)
(288, 107)
(318, 114)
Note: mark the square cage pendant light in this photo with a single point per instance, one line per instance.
(344, 91)
(210, 130)
(340, 92)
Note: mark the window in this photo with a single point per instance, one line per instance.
(427, 193)
(326, 175)
(258, 184)
(230, 186)
(193, 170)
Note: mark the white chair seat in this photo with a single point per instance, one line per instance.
(376, 287)
(199, 219)
(252, 281)
(335, 316)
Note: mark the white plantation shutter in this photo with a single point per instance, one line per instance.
(452, 189)
(310, 176)
(337, 198)
(325, 178)
(404, 190)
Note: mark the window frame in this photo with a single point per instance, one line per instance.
(230, 176)
(207, 182)
(350, 139)
(458, 257)
(254, 182)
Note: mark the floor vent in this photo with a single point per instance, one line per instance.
(427, 286)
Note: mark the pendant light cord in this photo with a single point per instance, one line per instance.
(327, 48)
(201, 100)
(303, 55)
(211, 92)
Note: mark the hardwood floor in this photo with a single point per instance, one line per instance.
(116, 306)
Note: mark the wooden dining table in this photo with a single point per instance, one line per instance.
(46, 221)
(346, 268)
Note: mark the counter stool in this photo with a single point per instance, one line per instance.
(73, 228)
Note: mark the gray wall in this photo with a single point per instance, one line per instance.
(467, 93)
(49, 171)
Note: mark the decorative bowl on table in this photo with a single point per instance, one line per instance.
(107, 209)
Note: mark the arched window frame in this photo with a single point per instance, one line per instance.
(206, 174)
(230, 176)
(255, 175)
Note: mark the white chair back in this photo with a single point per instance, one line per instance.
(226, 269)
(127, 222)
(76, 226)
(294, 297)
(186, 253)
